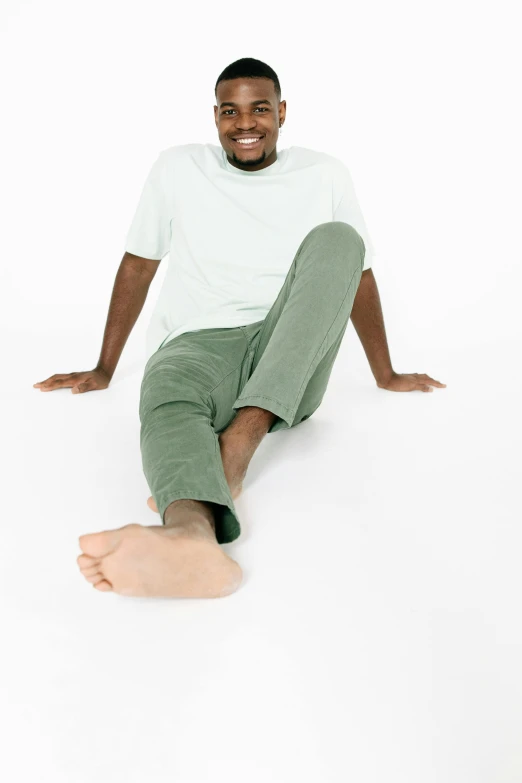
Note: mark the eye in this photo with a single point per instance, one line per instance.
(261, 108)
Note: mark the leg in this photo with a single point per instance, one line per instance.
(293, 350)
(290, 354)
(181, 417)
(240, 440)
(181, 460)
(182, 463)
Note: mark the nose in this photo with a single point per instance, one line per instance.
(245, 123)
(245, 127)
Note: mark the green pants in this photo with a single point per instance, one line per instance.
(193, 385)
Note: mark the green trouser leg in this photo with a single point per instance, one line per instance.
(296, 344)
(194, 385)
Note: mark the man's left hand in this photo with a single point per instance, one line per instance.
(410, 382)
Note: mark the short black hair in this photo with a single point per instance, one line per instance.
(248, 68)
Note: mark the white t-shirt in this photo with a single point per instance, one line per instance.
(232, 234)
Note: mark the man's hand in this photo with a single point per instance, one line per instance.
(410, 382)
(90, 380)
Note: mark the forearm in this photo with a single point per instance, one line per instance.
(368, 322)
(128, 297)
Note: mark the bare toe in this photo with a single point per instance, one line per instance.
(90, 570)
(103, 586)
(98, 545)
(95, 578)
(86, 561)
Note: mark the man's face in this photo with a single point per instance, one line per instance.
(249, 108)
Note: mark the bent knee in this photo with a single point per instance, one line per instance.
(344, 235)
(339, 228)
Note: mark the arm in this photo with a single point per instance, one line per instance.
(368, 322)
(129, 293)
(130, 290)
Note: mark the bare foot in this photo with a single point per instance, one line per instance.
(157, 561)
(235, 457)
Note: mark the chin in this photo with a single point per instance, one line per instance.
(249, 161)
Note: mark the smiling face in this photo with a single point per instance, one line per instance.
(249, 108)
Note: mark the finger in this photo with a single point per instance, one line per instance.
(52, 380)
(423, 387)
(59, 383)
(48, 380)
(429, 379)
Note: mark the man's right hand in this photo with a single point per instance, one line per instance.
(91, 380)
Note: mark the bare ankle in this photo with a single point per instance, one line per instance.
(194, 518)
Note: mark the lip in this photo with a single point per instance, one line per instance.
(248, 146)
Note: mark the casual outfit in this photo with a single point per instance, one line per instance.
(263, 271)
(232, 234)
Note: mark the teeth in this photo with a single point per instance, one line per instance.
(246, 141)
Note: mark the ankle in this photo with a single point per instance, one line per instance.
(194, 518)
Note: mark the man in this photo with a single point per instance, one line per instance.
(242, 340)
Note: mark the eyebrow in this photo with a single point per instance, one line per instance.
(254, 103)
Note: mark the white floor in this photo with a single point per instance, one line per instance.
(377, 634)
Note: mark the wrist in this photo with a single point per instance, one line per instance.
(104, 371)
(383, 377)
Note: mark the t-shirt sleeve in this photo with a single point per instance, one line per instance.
(346, 209)
(149, 232)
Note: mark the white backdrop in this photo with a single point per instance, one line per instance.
(377, 634)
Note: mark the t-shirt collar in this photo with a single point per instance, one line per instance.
(272, 169)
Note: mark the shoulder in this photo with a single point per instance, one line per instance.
(176, 153)
(303, 157)
(189, 152)
(180, 150)
(171, 161)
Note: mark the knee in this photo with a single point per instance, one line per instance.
(173, 394)
(344, 235)
(337, 228)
